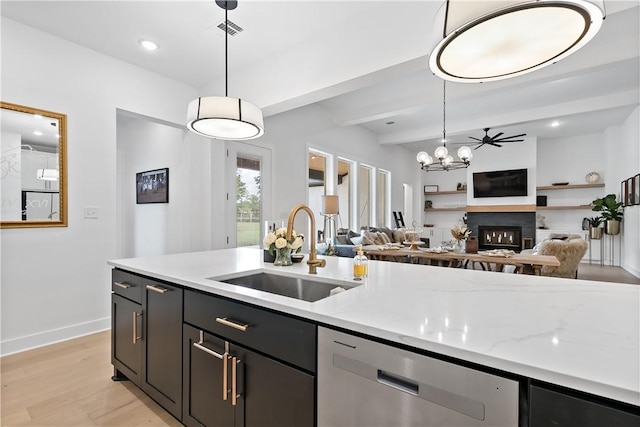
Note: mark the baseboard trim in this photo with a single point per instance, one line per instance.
(29, 342)
(632, 270)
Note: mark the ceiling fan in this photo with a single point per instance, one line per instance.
(495, 140)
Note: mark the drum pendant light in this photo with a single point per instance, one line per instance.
(224, 117)
(492, 40)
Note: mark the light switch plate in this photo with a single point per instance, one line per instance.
(91, 212)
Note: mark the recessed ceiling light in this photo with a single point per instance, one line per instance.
(148, 44)
(37, 132)
(555, 124)
(389, 123)
(37, 116)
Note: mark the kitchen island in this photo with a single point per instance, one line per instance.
(576, 334)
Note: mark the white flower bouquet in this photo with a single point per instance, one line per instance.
(278, 240)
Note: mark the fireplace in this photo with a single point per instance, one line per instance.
(525, 222)
(499, 237)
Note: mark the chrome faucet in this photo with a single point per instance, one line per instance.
(313, 262)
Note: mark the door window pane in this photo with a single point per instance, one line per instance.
(248, 200)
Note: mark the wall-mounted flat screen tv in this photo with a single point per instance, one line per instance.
(504, 183)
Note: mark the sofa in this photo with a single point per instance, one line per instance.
(371, 238)
(567, 248)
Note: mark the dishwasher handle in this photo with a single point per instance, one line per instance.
(398, 382)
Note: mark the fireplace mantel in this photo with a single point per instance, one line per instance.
(502, 208)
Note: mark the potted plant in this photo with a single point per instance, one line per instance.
(611, 212)
(595, 231)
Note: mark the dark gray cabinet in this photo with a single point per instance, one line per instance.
(126, 351)
(270, 390)
(126, 326)
(554, 408)
(162, 345)
(146, 339)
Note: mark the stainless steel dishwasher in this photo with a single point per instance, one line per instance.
(365, 383)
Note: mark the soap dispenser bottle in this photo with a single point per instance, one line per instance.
(360, 265)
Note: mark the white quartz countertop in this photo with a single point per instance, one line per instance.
(579, 334)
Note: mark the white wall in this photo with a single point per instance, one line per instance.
(630, 166)
(55, 281)
(292, 133)
(183, 224)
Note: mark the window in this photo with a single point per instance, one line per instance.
(364, 196)
(344, 193)
(382, 198)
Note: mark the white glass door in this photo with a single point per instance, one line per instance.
(249, 193)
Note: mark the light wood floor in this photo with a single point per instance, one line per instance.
(606, 274)
(69, 384)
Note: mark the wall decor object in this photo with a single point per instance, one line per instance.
(34, 167)
(592, 177)
(541, 200)
(623, 192)
(630, 192)
(430, 188)
(636, 191)
(428, 204)
(152, 186)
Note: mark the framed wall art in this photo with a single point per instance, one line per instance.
(152, 186)
(630, 188)
(636, 189)
(430, 188)
(623, 193)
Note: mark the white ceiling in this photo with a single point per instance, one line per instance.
(364, 61)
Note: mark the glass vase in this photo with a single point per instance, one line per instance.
(283, 257)
(460, 246)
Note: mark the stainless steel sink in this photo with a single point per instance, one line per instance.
(292, 287)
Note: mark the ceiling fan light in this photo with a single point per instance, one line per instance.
(223, 117)
(487, 45)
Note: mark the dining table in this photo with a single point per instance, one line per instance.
(486, 260)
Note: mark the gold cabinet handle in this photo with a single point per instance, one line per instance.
(239, 326)
(200, 346)
(135, 327)
(122, 285)
(234, 381)
(158, 289)
(225, 377)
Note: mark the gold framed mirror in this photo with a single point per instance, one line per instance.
(33, 166)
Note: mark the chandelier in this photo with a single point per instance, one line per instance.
(442, 160)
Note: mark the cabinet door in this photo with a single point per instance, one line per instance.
(274, 394)
(553, 408)
(126, 347)
(162, 352)
(203, 377)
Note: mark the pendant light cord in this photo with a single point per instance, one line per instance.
(444, 113)
(226, 59)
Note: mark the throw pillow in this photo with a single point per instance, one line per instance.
(369, 238)
(387, 231)
(398, 235)
(357, 240)
(383, 237)
(342, 239)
